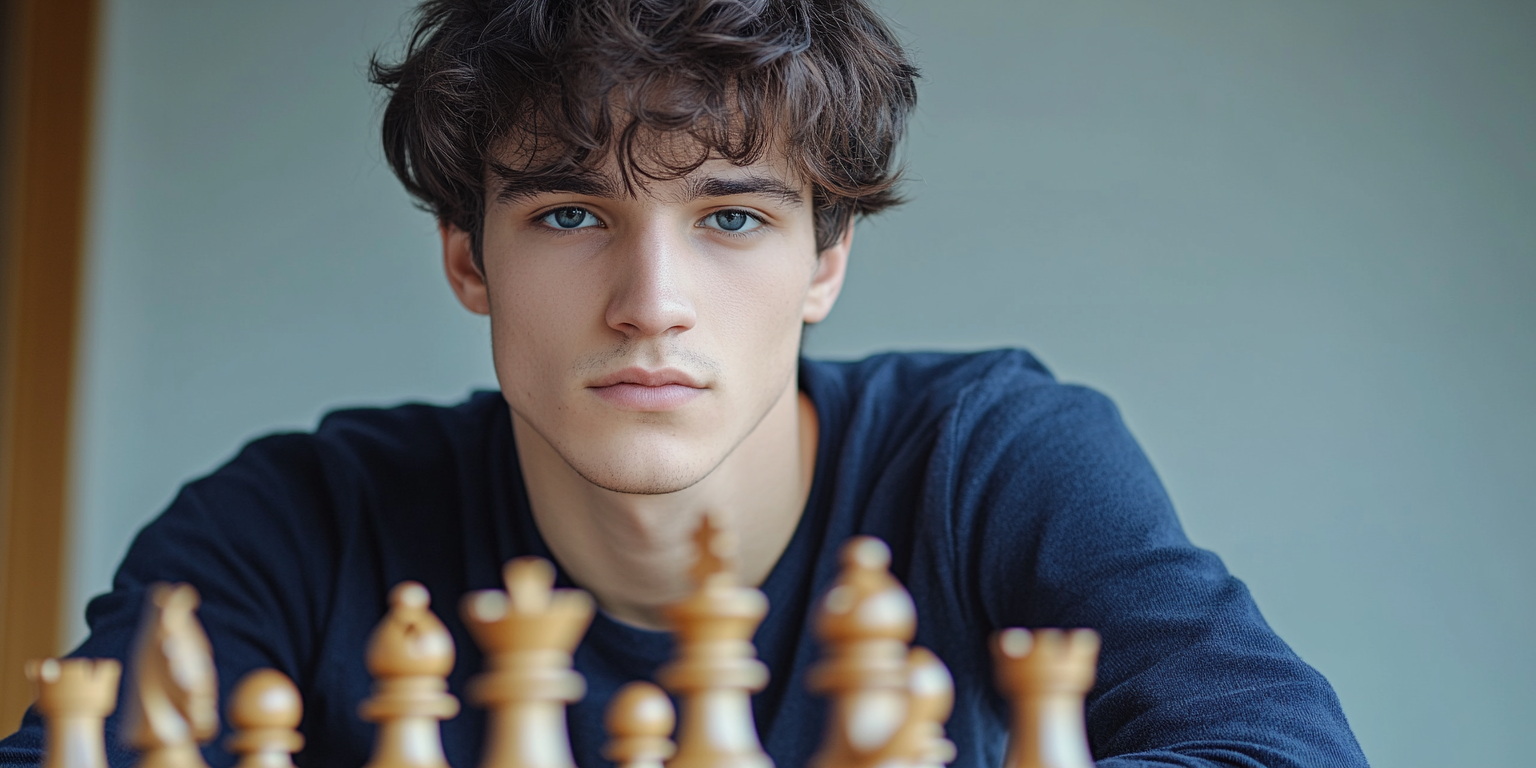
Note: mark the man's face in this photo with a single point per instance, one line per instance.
(645, 336)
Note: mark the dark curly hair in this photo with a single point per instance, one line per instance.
(563, 85)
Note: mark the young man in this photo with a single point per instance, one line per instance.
(650, 200)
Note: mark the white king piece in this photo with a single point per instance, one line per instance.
(716, 668)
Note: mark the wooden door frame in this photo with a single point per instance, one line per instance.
(50, 71)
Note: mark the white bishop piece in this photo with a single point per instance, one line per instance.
(889, 701)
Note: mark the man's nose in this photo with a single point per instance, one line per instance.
(651, 295)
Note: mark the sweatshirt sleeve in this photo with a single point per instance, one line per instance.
(1071, 528)
(253, 538)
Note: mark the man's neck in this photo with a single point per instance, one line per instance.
(632, 551)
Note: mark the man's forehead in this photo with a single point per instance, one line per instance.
(511, 178)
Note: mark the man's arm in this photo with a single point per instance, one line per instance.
(251, 540)
(1077, 531)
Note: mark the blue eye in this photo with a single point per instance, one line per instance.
(732, 221)
(570, 218)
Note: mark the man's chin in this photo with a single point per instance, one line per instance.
(643, 469)
(641, 483)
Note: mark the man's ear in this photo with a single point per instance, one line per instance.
(827, 283)
(464, 275)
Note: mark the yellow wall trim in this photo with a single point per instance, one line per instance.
(46, 146)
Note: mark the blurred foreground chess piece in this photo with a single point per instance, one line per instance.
(265, 713)
(74, 697)
(409, 655)
(932, 695)
(639, 722)
(1046, 674)
(716, 669)
(172, 703)
(528, 634)
(889, 702)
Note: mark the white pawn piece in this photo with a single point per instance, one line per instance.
(75, 696)
(528, 634)
(865, 623)
(172, 702)
(931, 692)
(716, 669)
(409, 655)
(265, 713)
(639, 722)
(1046, 674)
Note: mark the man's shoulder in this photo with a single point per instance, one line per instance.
(937, 369)
(1008, 384)
(977, 414)
(409, 426)
(393, 468)
(400, 441)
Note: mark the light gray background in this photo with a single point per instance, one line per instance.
(1295, 241)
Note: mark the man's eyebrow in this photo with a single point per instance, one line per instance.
(513, 185)
(750, 185)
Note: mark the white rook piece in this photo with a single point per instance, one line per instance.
(1046, 674)
(75, 696)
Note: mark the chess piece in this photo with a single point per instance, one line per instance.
(1046, 674)
(931, 697)
(865, 622)
(639, 722)
(409, 655)
(716, 669)
(528, 634)
(172, 705)
(265, 713)
(74, 696)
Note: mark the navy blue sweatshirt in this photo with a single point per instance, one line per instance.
(1008, 499)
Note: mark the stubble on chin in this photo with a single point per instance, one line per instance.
(657, 483)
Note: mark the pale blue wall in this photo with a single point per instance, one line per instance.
(253, 263)
(1296, 242)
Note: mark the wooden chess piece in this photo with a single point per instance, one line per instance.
(865, 622)
(74, 696)
(931, 697)
(639, 722)
(409, 655)
(528, 634)
(1046, 674)
(265, 713)
(716, 668)
(172, 704)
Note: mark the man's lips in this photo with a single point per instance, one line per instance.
(660, 377)
(639, 389)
